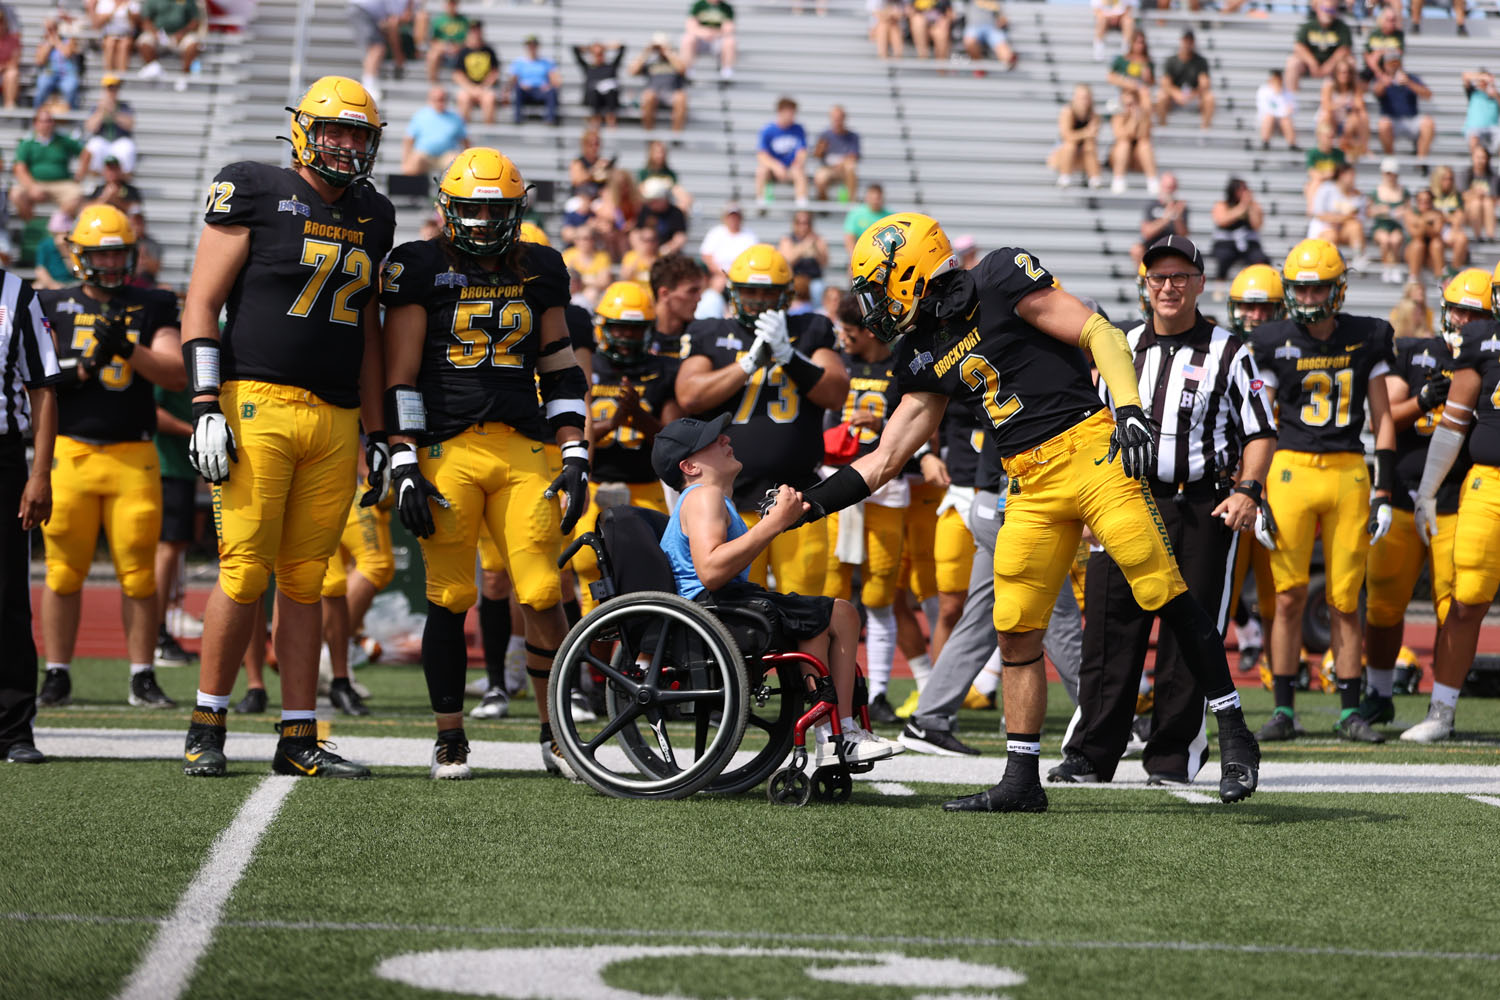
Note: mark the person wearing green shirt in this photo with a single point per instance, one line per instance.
(710, 28)
(862, 217)
(1321, 42)
(1133, 71)
(43, 167)
(173, 25)
(449, 30)
(179, 509)
(1386, 36)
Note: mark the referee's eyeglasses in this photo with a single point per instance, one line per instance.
(1179, 279)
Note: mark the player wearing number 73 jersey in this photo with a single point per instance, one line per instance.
(294, 253)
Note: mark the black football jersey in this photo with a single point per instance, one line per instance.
(115, 406)
(1417, 360)
(624, 455)
(295, 309)
(1029, 386)
(1321, 385)
(872, 389)
(1480, 351)
(580, 327)
(483, 333)
(777, 435)
(963, 440)
(675, 346)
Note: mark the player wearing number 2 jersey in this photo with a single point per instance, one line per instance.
(1323, 365)
(277, 398)
(1001, 338)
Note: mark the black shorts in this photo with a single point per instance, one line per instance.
(795, 616)
(179, 508)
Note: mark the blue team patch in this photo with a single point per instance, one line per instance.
(69, 306)
(1493, 344)
(921, 361)
(295, 207)
(731, 343)
(1288, 351)
(450, 279)
(1424, 360)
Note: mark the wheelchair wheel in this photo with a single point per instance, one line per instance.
(832, 784)
(676, 696)
(789, 787)
(782, 689)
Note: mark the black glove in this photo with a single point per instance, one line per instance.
(413, 491)
(574, 481)
(111, 338)
(1434, 393)
(378, 462)
(1133, 442)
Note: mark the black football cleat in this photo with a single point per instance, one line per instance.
(57, 689)
(1355, 729)
(1002, 798)
(299, 754)
(1074, 769)
(254, 702)
(24, 753)
(882, 712)
(934, 741)
(342, 696)
(146, 693)
(203, 755)
(1279, 727)
(1377, 708)
(1239, 754)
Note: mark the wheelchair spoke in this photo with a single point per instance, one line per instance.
(653, 672)
(610, 672)
(701, 722)
(619, 722)
(663, 738)
(764, 725)
(676, 697)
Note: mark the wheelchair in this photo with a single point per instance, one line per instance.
(675, 685)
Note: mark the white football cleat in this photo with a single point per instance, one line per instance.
(1436, 727)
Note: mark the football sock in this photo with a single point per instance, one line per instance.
(445, 657)
(1283, 688)
(139, 668)
(921, 669)
(1382, 680)
(494, 635)
(1442, 694)
(1348, 689)
(1224, 702)
(1023, 754)
(211, 702)
(69, 666)
(298, 715)
(205, 716)
(880, 647)
(988, 680)
(1201, 644)
(546, 732)
(571, 611)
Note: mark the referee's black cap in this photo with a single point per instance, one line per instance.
(1180, 245)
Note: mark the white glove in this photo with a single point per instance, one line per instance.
(211, 448)
(756, 358)
(1427, 518)
(770, 326)
(1380, 518)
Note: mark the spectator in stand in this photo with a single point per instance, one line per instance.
(1322, 40)
(1237, 220)
(888, 29)
(477, 76)
(666, 83)
(657, 166)
(534, 80)
(1482, 117)
(615, 211)
(44, 171)
(1323, 162)
(804, 286)
(837, 149)
(57, 62)
(52, 267)
(590, 260)
(1342, 105)
(931, 23)
(986, 29)
(1430, 238)
(724, 242)
(781, 154)
(446, 42)
(10, 62)
(1186, 82)
(1338, 214)
(1163, 216)
(1387, 210)
(1406, 320)
(1480, 187)
(966, 250)
(590, 169)
(1132, 149)
(1113, 15)
(804, 247)
(115, 189)
(1447, 199)
(863, 216)
(1132, 70)
(600, 66)
(109, 128)
(1078, 128)
(1400, 115)
(433, 136)
(1460, 16)
(709, 28)
(645, 250)
(377, 28)
(1276, 108)
(1416, 293)
(659, 215)
(114, 20)
(1386, 37)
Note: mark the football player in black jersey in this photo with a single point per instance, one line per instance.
(1418, 386)
(278, 398)
(474, 324)
(1323, 364)
(118, 341)
(1474, 396)
(1002, 339)
(775, 374)
(677, 281)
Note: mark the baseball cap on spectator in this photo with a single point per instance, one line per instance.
(680, 440)
(963, 244)
(111, 161)
(733, 208)
(655, 187)
(1180, 245)
(1390, 165)
(531, 40)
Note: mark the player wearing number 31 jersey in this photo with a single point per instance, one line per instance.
(294, 253)
(1003, 340)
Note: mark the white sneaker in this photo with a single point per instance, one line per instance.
(1153, 186)
(1064, 180)
(180, 85)
(726, 73)
(151, 70)
(1437, 726)
(477, 689)
(496, 705)
(1096, 181)
(1098, 50)
(555, 762)
(450, 760)
(860, 746)
(1117, 186)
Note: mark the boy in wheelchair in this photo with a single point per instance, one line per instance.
(710, 551)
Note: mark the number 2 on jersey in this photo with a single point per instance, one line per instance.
(978, 374)
(322, 256)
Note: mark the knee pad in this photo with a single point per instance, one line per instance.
(456, 597)
(63, 578)
(302, 581)
(243, 578)
(139, 584)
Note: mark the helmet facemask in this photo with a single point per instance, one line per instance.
(1455, 318)
(1314, 312)
(339, 165)
(624, 342)
(751, 298)
(885, 317)
(486, 226)
(1242, 324)
(111, 276)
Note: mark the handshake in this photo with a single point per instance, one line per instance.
(787, 508)
(771, 346)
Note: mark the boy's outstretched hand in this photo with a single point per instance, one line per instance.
(786, 509)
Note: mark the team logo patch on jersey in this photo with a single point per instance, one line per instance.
(247, 411)
(66, 306)
(450, 279)
(1256, 385)
(1424, 360)
(730, 343)
(1288, 351)
(295, 207)
(1286, 475)
(921, 361)
(1475, 484)
(1493, 344)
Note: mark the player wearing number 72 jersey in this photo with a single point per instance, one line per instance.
(1002, 339)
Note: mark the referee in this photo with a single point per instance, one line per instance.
(28, 364)
(1211, 415)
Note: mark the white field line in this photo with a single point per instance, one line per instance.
(1196, 798)
(1488, 800)
(891, 788)
(907, 768)
(598, 933)
(183, 939)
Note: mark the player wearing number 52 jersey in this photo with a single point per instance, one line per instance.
(474, 324)
(294, 254)
(1002, 339)
(115, 342)
(1322, 366)
(775, 374)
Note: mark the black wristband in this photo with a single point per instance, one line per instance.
(1250, 487)
(1385, 469)
(844, 488)
(202, 406)
(803, 373)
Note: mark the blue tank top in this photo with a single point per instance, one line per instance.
(675, 544)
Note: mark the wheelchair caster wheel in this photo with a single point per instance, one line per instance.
(832, 785)
(789, 787)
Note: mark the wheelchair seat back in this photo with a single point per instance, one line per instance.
(632, 538)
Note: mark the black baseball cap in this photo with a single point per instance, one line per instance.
(681, 439)
(1180, 245)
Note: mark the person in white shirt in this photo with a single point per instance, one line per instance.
(724, 243)
(1338, 214)
(1276, 106)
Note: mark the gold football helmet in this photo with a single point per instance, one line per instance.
(760, 279)
(532, 233)
(482, 197)
(893, 263)
(102, 248)
(1470, 291)
(1313, 264)
(339, 103)
(623, 323)
(1256, 284)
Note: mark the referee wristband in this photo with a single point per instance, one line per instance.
(1250, 487)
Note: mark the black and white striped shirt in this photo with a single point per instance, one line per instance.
(1202, 391)
(28, 354)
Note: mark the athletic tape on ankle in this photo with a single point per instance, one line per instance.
(1224, 702)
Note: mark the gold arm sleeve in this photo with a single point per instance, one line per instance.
(1106, 342)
